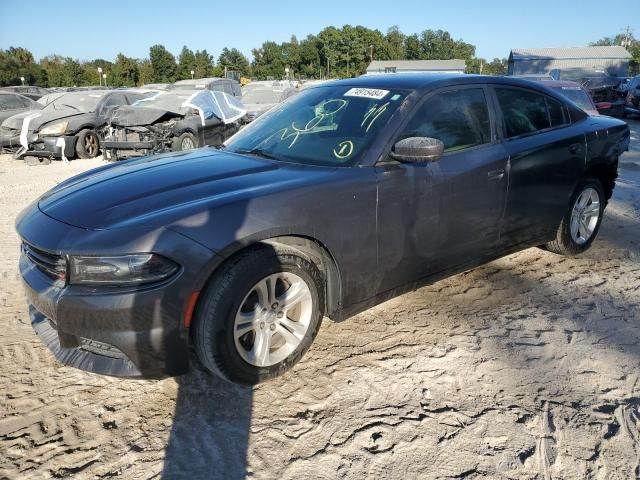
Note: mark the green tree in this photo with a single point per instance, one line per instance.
(632, 46)
(413, 47)
(186, 63)
(18, 62)
(163, 64)
(394, 48)
(439, 45)
(145, 72)
(204, 65)
(269, 61)
(124, 72)
(233, 60)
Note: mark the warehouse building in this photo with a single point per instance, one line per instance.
(415, 66)
(540, 61)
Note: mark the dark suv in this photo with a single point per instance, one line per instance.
(343, 197)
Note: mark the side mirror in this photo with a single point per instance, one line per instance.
(417, 150)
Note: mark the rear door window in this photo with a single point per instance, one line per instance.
(523, 112)
(458, 118)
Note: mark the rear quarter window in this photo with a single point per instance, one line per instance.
(558, 114)
(523, 112)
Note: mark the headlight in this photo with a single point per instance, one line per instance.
(122, 270)
(55, 129)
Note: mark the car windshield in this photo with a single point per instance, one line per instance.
(84, 102)
(332, 125)
(577, 96)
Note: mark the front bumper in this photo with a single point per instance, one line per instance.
(125, 332)
(114, 150)
(9, 140)
(52, 147)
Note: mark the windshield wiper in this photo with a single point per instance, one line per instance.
(67, 105)
(258, 152)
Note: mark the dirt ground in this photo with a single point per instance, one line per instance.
(526, 368)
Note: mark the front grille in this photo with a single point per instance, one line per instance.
(52, 265)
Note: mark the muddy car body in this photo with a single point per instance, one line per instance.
(345, 196)
(175, 120)
(68, 126)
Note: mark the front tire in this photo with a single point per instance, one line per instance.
(259, 315)
(88, 144)
(186, 141)
(581, 222)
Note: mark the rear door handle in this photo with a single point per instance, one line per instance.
(574, 148)
(496, 174)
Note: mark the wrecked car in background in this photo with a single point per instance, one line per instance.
(225, 85)
(12, 104)
(604, 89)
(174, 120)
(258, 100)
(574, 92)
(68, 126)
(632, 106)
(32, 92)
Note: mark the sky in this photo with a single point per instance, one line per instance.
(88, 29)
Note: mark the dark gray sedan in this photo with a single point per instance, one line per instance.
(345, 196)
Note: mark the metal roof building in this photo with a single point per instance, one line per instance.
(415, 66)
(539, 61)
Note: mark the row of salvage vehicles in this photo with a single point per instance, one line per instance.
(124, 123)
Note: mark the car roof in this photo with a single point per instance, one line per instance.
(427, 81)
(559, 84)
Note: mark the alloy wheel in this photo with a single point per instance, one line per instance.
(273, 319)
(585, 215)
(91, 144)
(187, 144)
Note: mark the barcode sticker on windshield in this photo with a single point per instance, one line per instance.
(367, 93)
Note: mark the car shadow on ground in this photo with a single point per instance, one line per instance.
(210, 432)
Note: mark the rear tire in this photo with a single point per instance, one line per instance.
(236, 292)
(87, 144)
(581, 222)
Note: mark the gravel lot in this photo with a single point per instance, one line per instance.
(526, 368)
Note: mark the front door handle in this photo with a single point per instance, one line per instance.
(496, 174)
(574, 148)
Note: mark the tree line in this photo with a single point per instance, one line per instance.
(332, 53)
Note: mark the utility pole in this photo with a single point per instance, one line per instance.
(370, 53)
(481, 67)
(626, 41)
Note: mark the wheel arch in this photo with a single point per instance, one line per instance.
(606, 173)
(310, 247)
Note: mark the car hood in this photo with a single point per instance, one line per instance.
(44, 116)
(157, 191)
(15, 121)
(134, 116)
